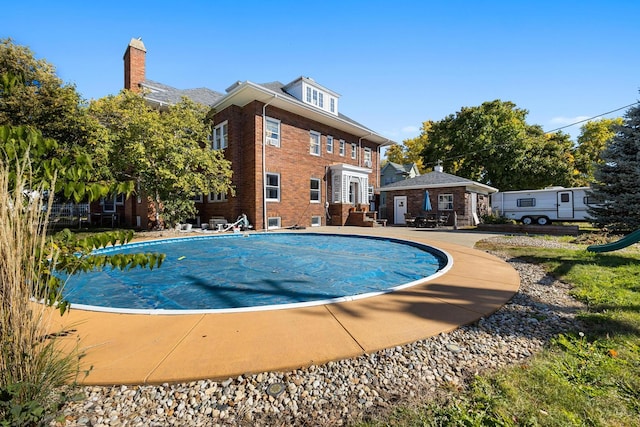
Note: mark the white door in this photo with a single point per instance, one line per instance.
(565, 204)
(474, 208)
(399, 209)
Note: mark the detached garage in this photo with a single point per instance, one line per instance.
(438, 193)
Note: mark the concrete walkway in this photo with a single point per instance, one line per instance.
(137, 349)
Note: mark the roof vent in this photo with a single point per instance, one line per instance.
(438, 167)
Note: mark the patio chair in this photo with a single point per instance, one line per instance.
(409, 220)
(443, 219)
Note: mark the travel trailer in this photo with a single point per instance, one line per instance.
(543, 206)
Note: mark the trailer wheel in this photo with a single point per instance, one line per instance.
(543, 220)
(527, 220)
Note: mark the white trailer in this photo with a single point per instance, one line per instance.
(542, 206)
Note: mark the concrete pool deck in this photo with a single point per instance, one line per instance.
(142, 348)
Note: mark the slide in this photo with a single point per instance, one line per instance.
(627, 240)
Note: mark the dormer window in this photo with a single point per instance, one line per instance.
(309, 92)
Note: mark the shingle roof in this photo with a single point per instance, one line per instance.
(401, 169)
(279, 88)
(170, 95)
(434, 179)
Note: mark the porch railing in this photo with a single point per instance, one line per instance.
(68, 214)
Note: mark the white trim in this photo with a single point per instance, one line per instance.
(247, 92)
(317, 136)
(474, 187)
(278, 187)
(215, 199)
(442, 202)
(274, 227)
(318, 190)
(223, 141)
(272, 141)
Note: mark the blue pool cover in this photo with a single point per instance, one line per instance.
(255, 270)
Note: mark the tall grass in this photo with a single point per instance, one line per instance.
(32, 363)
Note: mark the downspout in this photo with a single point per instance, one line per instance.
(264, 163)
(327, 216)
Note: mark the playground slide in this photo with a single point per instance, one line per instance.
(627, 240)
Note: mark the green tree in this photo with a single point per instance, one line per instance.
(164, 153)
(616, 178)
(32, 94)
(24, 157)
(493, 144)
(411, 149)
(592, 140)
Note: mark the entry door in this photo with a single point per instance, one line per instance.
(399, 209)
(474, 208)
(565, 204)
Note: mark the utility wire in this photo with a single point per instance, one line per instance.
(550, 131)
(591, 118)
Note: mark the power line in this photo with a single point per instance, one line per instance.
(591, 118)
(550, 131)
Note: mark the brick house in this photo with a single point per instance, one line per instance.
(393, 172)
(449, 195)
(296, 159)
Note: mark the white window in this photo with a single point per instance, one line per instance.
(314, 138)
(220, 136)
(332, 104)
(354, 150)
(342, 147)
(273, 187)
(273, 222)
(315, 190)
(197, 198)
(367, 157)
(527, 203)
(309, 95)
(109, 203)
(217, 197)
(321, 100)
(445, 202)
(329, 144)
(316, 221)
(273, 131)
(371, 193)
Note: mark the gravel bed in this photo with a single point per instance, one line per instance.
(339, 393)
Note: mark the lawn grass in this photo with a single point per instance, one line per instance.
(584, 378)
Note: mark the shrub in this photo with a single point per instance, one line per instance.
(495, 218)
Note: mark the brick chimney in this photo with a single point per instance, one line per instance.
(134, 67)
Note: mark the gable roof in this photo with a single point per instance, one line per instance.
(438, 180)
(400, 169)
(165, 95)
(272, 93)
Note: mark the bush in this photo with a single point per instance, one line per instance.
(495, 218)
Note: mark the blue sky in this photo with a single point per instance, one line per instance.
(395, 64)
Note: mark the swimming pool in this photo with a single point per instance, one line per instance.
(258, 271)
